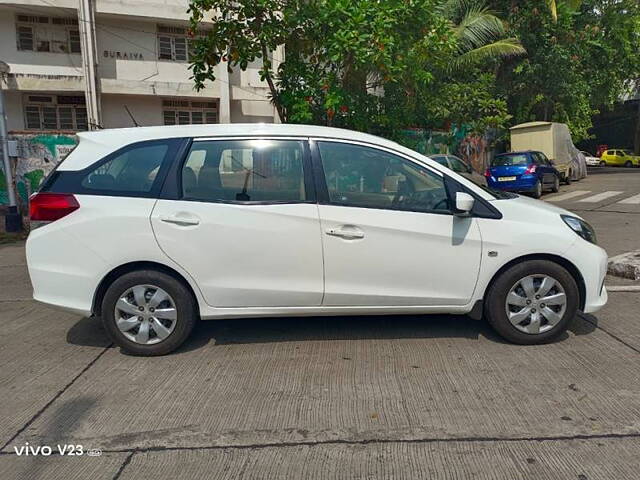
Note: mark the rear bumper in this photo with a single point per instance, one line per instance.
(62, 270)
(523, 184)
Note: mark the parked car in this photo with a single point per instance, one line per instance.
(529, 172)
(154, 228)
(619, 158)
(459, 166)
(591, 160)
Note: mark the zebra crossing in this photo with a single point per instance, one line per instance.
(587, 196)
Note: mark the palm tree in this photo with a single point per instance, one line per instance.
(480, 34)
(553, 7)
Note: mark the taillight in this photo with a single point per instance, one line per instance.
(487, 173)
(48, 207)
(530, 169)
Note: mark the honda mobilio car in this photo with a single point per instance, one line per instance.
(153, 229)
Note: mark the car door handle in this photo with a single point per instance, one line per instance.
(181, 221)
(348, 234)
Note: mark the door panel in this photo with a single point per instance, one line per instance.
(403, 258)
(245, 255)
(247, 228)
(388, 234)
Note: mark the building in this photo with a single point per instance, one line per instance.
(83, 64)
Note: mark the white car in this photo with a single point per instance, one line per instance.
(155, 228)
(591, 160)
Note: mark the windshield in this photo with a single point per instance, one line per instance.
(511, 159)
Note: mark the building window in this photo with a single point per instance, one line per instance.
(184, 112)
(172, 43)
(55, 112)
(47, 34)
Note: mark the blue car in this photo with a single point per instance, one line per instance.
(530, 172)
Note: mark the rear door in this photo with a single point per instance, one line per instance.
(244, 222)
(388, 233)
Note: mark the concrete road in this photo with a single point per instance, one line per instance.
(436, 397)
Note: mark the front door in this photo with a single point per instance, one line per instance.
(388, 234)
(246, 225)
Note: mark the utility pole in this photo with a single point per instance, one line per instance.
(87, 27)
(13, 220)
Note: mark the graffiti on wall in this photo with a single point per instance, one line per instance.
(38, 154)
(474, 149)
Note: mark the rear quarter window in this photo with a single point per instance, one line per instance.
(136, 170)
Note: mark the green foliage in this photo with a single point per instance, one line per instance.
(577, 63)
(391, 64)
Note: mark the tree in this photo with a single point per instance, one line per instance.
(479, 33)
(340, 54)
(553, 7)
(576, 65)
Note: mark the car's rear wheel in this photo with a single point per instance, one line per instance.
(628, 164)
(147, 312)
(537, 189)
(567, 178)
(532, 302)
(556, 185)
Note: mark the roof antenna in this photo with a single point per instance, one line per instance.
(132, 117)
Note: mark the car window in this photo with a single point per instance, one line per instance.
(441, 159)
(361, 176)
(245, 171)
(510, 159)
(458, 165)
(133, 170)
(543, 159)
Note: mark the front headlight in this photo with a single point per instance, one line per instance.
(581, 227)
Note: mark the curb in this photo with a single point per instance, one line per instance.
(626, 265)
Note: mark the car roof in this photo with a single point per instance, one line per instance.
(129, 135)
(106, 141)
(520, 152)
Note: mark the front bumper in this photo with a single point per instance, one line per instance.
(592, 261)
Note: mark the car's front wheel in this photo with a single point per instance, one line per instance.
(603, 163)
(147, 312)
(556, 185)
(532, 302)
(628, 164)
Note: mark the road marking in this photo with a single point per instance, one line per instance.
(631, 200)
(567, 196)
(623, 288)
(601, 196)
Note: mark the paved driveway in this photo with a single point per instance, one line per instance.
(346, 397)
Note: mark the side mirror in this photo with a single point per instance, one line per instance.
(464, 204)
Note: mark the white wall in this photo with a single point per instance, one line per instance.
(15, 112)
(147, 110)
(25, 62)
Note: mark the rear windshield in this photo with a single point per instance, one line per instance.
(514, 159)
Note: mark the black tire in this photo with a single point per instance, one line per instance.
(567, 179)
(556, 185)
(628, 164)
(537, 190)
(602, 163)
(185, 305)
(495, 301)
